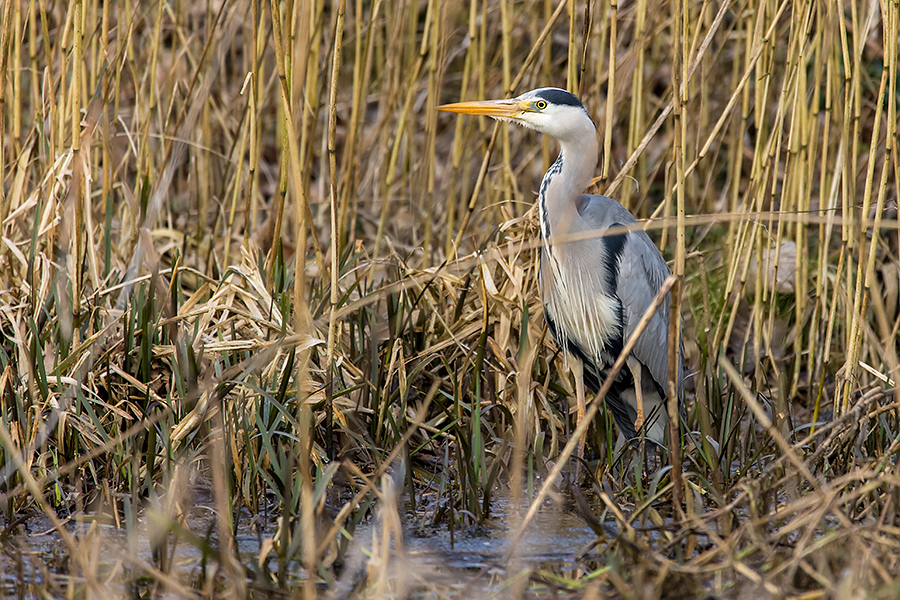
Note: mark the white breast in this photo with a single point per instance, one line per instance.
(573, 297)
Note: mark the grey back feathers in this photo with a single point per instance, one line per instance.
(641, 273)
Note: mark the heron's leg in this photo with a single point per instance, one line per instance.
(636, 367)
(578, 371)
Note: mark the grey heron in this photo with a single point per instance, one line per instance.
(595, 285)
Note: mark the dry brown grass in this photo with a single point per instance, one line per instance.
(245, 265)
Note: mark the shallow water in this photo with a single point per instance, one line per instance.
(555, 534)
(474, 560)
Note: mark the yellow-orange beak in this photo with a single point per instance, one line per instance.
(488, 108)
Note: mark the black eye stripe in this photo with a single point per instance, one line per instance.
(558, 97)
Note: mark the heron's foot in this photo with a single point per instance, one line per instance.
(639, 421)
(636, 369)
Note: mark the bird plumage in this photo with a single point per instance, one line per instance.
(605, 280)
(597, 278)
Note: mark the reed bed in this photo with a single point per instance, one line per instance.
(251, 281)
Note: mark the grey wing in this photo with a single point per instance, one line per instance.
(599, 212)
(642, 272)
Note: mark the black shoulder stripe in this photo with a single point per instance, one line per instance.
(614, 245)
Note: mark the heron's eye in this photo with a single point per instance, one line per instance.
(541, 104)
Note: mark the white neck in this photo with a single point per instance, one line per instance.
(567, 179)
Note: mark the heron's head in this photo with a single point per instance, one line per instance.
(549, 110)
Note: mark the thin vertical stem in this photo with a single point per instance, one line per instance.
(679, 71)
(610, 89)
(78, 234)
(5, 36)
(335, 234)
(572, 62)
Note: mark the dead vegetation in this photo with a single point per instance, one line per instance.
(252, 286)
